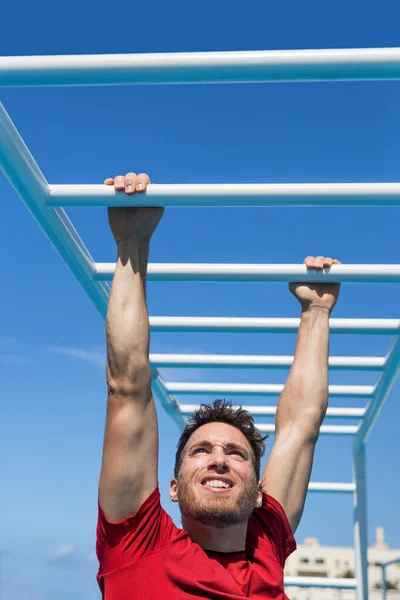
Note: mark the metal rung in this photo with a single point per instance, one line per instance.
(321, 582)
(270, 411)
(202, 67)
(252, 273)
(346, 488)
(324, 429)
(230, 194)
(255, 362)
(269, 325)
(260, 389)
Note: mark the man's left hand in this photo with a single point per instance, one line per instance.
(317, 295)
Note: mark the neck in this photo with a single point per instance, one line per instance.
(216, 539)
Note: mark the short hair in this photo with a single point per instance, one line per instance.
(221, 411)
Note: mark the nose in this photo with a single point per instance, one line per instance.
(218, 460)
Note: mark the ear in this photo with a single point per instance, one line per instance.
(173, 490)
(259, 496)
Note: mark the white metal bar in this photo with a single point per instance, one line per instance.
(260, 389)
(382, 389)
(22, 171)
(359, 363)
(345, 488)
(265, 273)
(231, 194)
(202, 67)
(360, 520)
(270, 411)
(269, 325)
(324, 429)
(321, 582)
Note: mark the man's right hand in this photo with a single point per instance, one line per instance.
(132, 223)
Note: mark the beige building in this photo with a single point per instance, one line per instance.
(313, 560)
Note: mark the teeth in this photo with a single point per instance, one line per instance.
(217, 483)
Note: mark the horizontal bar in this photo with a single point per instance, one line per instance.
(345, 488)
(261, 273)
(321, 582)
(231, 194)
(202, 67)
(324, 429)
(270, 411)
(356, 363)
(269, 325)
(260, 389)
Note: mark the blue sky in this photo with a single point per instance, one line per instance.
(51, 339)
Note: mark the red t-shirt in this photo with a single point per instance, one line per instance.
(148, 557)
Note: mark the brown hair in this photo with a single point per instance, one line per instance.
(222, 411)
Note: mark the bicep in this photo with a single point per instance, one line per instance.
(287, 473)
(129, 471)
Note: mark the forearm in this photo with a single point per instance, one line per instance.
(304, 399)
(127, 324)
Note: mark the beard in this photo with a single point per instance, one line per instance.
(217, 510)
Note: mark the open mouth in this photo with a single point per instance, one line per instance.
(217, 485)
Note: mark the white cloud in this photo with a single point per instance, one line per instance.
(64, 551)
(94, 357)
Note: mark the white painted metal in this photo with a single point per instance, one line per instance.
(360, 520)
(332, 487)
(270, 411)
(229, 194)
(256, 361)
(265, 273)
(270, 325)
(202, 67)
(328, 429)
(321, 582)
(178, 387)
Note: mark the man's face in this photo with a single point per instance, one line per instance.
(217, 454)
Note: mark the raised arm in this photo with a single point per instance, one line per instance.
(304, 400)
(129, 468)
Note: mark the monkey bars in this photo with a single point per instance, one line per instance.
(45, 202)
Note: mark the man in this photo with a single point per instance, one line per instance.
(237, 530)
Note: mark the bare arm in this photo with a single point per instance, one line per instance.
(130, 455)
(302, 406)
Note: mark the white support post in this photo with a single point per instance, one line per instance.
(360, 522)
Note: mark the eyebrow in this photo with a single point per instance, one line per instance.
(230, 446)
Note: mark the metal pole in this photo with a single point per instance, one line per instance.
(360, 522)
(231, 194)
(363, 64)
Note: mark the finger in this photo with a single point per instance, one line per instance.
(142, 182)
(109, 181)
(336, 262)
(119, 183)
(319, 262)
(328, 262)
(130, 183)
(309, 262)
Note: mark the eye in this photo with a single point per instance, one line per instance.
(200, 449)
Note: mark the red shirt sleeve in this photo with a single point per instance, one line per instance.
(126, 542)
(271, 522)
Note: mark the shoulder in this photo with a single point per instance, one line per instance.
(271, 523)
